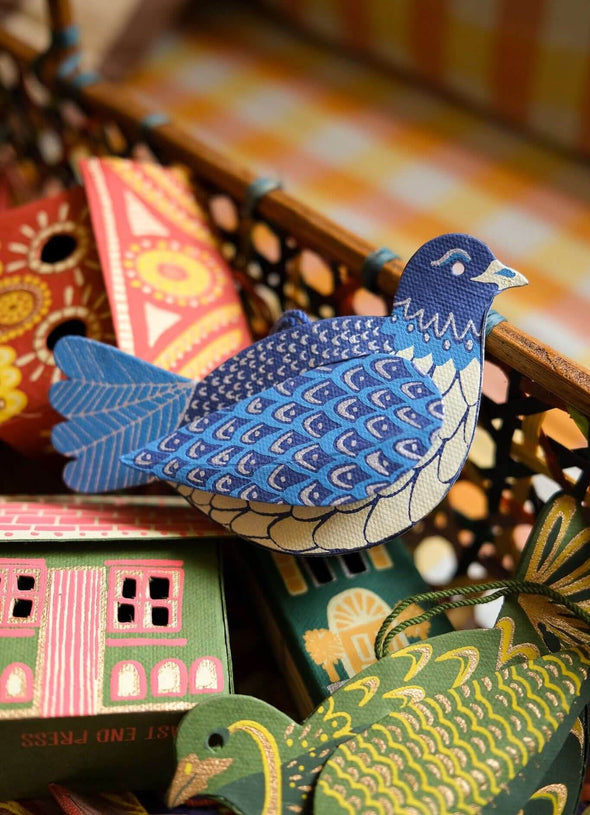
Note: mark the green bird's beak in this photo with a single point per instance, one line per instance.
(191, 777)
(502, 276)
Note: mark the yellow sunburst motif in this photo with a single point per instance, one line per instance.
(174, 273)
(52, 278)
(12, 400)
(30, 252)
(92, 310)
(24, 300)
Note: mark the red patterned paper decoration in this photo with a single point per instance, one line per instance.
(172, 294)
(50, 285)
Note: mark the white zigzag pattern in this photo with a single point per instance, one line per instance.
(433, 322)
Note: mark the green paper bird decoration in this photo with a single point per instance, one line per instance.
(486, 721)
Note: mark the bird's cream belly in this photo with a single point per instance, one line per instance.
(372, 520)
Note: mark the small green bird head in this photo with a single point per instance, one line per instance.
(226, 740)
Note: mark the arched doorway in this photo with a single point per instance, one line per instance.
(355, 615)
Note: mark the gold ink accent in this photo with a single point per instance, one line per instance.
(544, 566)
(578, 731)
(168, 679)
(271, 763)
(192, 775)
(507, 650)
(425, 651)
(369, 685)
(407, 695)
(556, 794)
(335, 715)
(469, 659)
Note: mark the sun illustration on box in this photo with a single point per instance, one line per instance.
(12, 399)
(354, 618)
(53, 243)
(50, 285)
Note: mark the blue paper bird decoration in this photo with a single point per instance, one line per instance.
(324, 436)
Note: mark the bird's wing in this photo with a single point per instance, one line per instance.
(482, 747)
(296, 345)
(333, 435)
(113, 403)
(290, 319)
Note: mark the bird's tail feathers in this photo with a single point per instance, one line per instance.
(557, 552)
(557, 556)
(113, 403)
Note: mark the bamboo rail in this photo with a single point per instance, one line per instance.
(506, 344)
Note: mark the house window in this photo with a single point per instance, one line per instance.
(206, 675)
(169, 678)
(16, 683)
(145, 598)
(22, 586)
(319, 570)
(353, 563)
(128, 681)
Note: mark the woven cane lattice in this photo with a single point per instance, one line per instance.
(527, 443)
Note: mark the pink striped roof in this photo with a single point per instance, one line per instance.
(65, 517)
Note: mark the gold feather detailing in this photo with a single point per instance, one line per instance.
(507, 650)
(271, 763)
(556, 794)
(340, 720)
(578, 732)
(559, 559)
(192, 775)
(469, 659)
(406, 694)
(369, 685)
(424, 650)
(453, 753)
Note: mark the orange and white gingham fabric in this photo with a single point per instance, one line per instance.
(527, 61)
(392, 163)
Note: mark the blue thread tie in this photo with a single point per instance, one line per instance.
(69, 65)
(256, 191)
(85, 78)
(494, 317)
(67, 37)
(153, 120)
(373, 265)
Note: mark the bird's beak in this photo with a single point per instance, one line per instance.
(191, 777)
(502, 276)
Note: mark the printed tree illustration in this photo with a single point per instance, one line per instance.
(325, 648)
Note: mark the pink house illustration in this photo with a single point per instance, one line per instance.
(91, 627)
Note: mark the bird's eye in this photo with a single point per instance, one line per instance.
(457, 268)
(217, 739)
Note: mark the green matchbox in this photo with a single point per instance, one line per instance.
(112, 625)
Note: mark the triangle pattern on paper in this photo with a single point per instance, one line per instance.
(158, 321)
(141, 220)
(147, 220)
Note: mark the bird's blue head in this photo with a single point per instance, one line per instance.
(450, 283)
